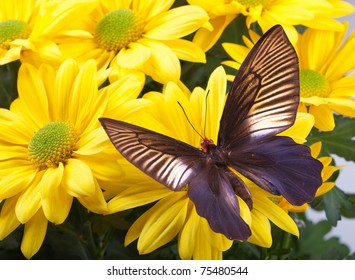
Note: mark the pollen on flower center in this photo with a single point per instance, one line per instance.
(52, 144)
(118, 28)
(253, 3)
(313, 83)
(11, 30)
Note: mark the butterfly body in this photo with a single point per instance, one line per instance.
(261, 103)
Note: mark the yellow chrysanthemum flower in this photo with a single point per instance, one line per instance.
(326, 186)
(53, 148)
(27, 28)
(327, 84)
(139, 35)
(325, 64)
(174, 215)
(317, 14)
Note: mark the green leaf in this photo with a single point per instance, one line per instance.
(336, 204)
(314, 245)
(339, 141)
(8, 83)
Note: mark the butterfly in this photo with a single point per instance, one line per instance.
(261, 103)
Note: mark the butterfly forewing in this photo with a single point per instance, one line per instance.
(167, 160)
(264, 95)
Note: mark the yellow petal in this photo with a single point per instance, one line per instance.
(33, 236)
(301, 128)
(186, 50)
(13, 152)
(261, 230)
(136, 228)
(49, 51)
(51, 179)
(328, 171)
(83, 96)
(10, 55)
(92, 143)
(48, 76)
(150, 8)
(63, 89)
(134, 56)
(274, 213)
(125, 89)
(314, 100)
(163, 65)
(106, 169)
(78, 179)
(217, 87)
(8, 219)
(14, 129)
(17, 181)
(341, 64)
(205, 38)
(29, 201)
(203, 249)
(33, 95)
(324, 119)
(237, 52)
(164, 223)
(188, 234)
(137, 195)
(175, 23)
(316, 148)
(96, 202)
(61, 15)
(56, 202)
(324, 188)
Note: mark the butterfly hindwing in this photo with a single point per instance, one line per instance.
(212, 191)
(281, 167)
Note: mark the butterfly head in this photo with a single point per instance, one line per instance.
(207, 144)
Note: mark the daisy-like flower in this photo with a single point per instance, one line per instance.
(325, 64)
(174, 214)
(326, 186)
(27, 28)
(138, 35)
(317, 14)
(53, 148)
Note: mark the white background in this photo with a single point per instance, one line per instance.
(345, 229)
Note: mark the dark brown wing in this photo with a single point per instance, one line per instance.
(169, 161)
(264, 95)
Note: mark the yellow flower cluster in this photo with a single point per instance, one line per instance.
(83, 60)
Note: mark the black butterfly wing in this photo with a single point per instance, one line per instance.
(264, 96)
(213, 193)
(174, 164)
(280, 166)
(263, 102)
(167, 160)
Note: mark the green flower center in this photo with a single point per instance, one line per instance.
(313, 83)
(118, 28)
(11, 30)
(53, 143)
(253, 3)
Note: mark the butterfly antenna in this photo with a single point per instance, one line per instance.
(182, 108)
